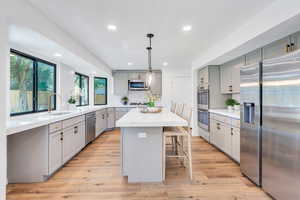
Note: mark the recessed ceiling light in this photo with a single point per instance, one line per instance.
(165, 63)
(112, 27)
(187, 28)
(57, 55)
(130, 63)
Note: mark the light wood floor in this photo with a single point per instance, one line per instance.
(95, 174)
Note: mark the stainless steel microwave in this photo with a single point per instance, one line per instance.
(137, 85)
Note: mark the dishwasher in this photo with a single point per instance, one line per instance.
(90, 132)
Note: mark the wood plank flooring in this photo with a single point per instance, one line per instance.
(95, 174)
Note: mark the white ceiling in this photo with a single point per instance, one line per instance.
(211, 21)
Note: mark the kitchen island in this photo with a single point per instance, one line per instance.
(142, 155)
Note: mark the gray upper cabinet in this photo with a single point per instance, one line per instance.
(295, 38)
(156, 84)
(226, 81)
(203, 78)
(121, 83)
(253, 57)
(137, 76)
(276, 49)
(230, 76)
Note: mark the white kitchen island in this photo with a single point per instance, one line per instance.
(142, 144)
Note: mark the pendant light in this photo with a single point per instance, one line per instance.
(149, 49)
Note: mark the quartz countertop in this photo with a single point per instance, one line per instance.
(135, 118)
(18, 124)
(225, 112)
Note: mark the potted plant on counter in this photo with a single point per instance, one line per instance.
(72, 103)
(237, 106)
(124, 100)
(230, 103)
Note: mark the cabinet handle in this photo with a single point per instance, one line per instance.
(61, 133)
(287, 48)
(218, 126)
(75, 129)
(292, 47)
(61, 139)
(230, 88)
(103, 116)
(231, 131)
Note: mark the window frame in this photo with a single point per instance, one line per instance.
(105, 91)
(80, 86)
(35, 82)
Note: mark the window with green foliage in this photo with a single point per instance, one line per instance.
(82, 89)
(100, 91)
(32, 81)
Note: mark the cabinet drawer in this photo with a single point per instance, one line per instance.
(222, 118)
(235, 123)
(110, 109)
(72, 121)
(55, 127)
(100, 112)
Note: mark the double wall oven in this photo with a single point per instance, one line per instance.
(203, 106)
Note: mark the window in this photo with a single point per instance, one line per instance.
(82, 89)
(100, 91)
(32, 80)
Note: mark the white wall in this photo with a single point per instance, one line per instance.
(4, 59)
(66, 84)
(176, 85)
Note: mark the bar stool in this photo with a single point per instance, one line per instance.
(173, 107)
(179, 109)
(182, 142)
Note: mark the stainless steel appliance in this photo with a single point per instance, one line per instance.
(208, 97)
(137, 85)
(203, 119)
(203, 98)
(250, 98)
(90, 132)
(270, 125)
(281, 127)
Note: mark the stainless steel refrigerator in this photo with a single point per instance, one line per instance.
(281, 127)
(270, 125)
(250, 99)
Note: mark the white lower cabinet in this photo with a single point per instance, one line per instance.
(68, 144)
(79, 137)
(55, 151)
(225, 134)
(235, 139)
(65, 143)
(101, 121)
(110, 115)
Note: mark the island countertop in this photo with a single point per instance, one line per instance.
(135, 118)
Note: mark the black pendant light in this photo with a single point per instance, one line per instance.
(149, 49)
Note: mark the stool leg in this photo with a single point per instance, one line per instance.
(164, 158)
(190, 157)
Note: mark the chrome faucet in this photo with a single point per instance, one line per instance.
(51, 94)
